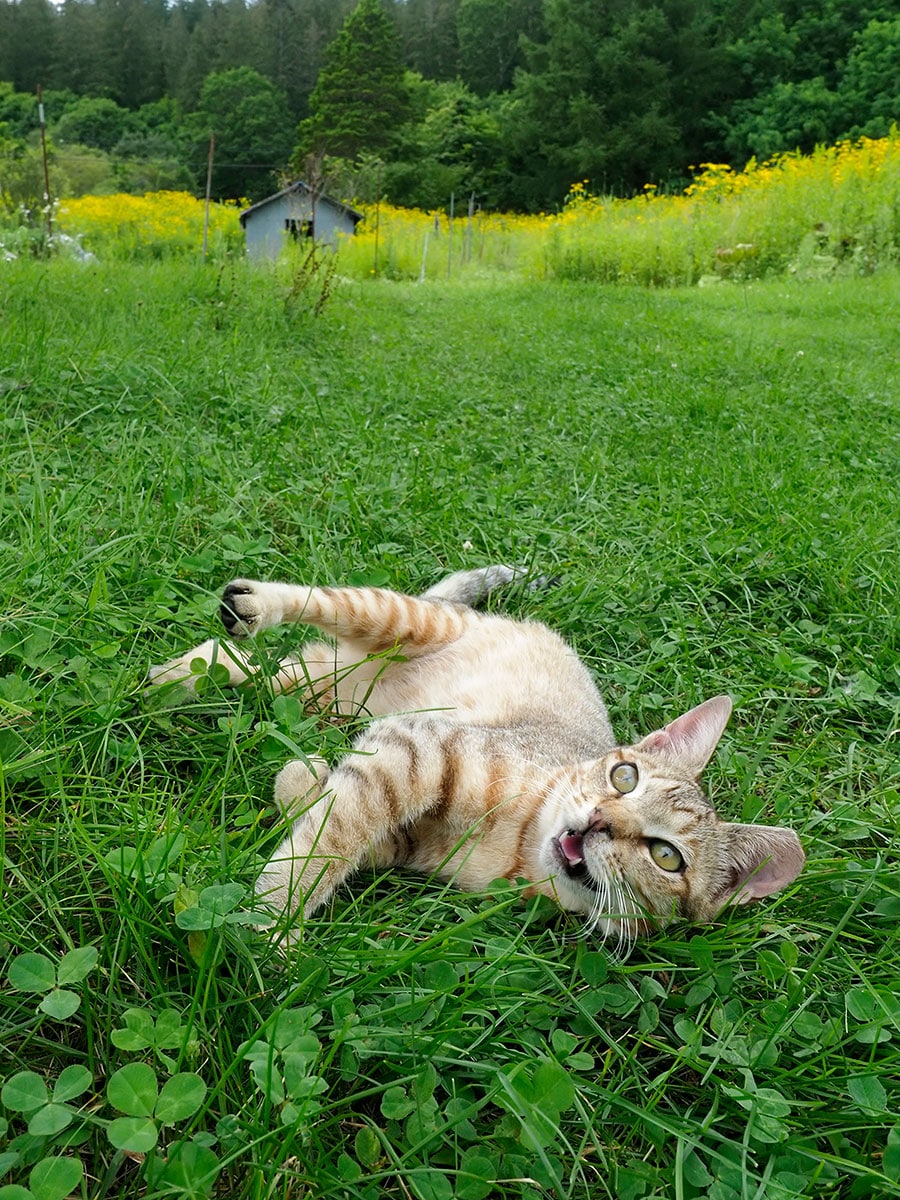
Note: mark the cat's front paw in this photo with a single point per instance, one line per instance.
(243, 609)
(188, 668)
(298, 785)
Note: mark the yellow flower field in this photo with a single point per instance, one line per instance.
(835, 211)
(155, 225)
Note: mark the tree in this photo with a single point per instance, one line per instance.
(30, 38)
(811, 71)
(789, 116)
(429, 36)
(490, 36)
(596, 102)
(250, 119)
(132, 37)
(292, 36)
(78, 62)
(360, 99)
(870, 86)
(18, 113)
(451, 145)
(94, 122)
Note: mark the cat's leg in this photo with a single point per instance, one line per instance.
(298, 785)
(399, 770)
(372, 619)
(473, 587)
(214, 651)
(311, 672)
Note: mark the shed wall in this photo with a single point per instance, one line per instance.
(266, 229)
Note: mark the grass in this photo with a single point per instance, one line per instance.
(712, 474)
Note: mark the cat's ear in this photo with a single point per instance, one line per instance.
(763, 860)
(689, 741)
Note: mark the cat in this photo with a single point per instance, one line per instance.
(489, 753)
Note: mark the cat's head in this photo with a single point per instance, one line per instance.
(631, 840)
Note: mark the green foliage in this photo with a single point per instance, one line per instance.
(576, 98)
(636, 92)
(250, 120)
(490, 41)
(18, 113)
(21, 183)
(359, 99)
(869, 89)
(133, 1091)
(47, 1113)
(94, 122)
(711, 474)
(32, 972)
(814, 74)
(53, 1178)
(451, 145)
(142, 1031)
(282, 1065)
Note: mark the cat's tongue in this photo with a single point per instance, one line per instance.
(572, 845)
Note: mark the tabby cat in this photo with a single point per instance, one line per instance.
(489, 754)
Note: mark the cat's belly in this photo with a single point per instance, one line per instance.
(499, 674)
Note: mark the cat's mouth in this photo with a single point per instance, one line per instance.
(570, 849)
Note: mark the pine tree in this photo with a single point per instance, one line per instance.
(359, 99)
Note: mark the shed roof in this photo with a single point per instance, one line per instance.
(300, 186)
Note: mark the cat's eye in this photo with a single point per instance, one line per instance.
(624, 777)
(665, 856)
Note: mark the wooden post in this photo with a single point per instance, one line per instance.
(450, 234)
(209, 167)
(48, 208)
(377, 217)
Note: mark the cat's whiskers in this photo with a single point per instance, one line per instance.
(616, 905)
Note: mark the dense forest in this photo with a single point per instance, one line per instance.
(512, 100)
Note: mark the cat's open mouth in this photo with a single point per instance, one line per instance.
(570, 848)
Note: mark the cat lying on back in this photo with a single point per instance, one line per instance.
(490, 754)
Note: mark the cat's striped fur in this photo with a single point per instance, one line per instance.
(490, 754)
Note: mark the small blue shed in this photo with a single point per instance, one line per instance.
(294, 213)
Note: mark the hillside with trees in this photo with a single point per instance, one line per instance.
(512, 100)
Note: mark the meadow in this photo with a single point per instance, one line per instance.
(711, 475)
(830, 214)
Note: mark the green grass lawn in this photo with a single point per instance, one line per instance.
(714, 476)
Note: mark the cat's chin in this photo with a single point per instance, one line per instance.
(569, 852)
(575, 887)
(610, 907)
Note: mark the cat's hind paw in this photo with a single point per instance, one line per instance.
(244, 611)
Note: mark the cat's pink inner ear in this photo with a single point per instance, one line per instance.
(764, 859)
(690, 740)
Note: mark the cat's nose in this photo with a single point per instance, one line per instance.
(599, 823)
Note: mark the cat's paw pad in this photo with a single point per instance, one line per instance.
(242, 610)
(299, 784)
